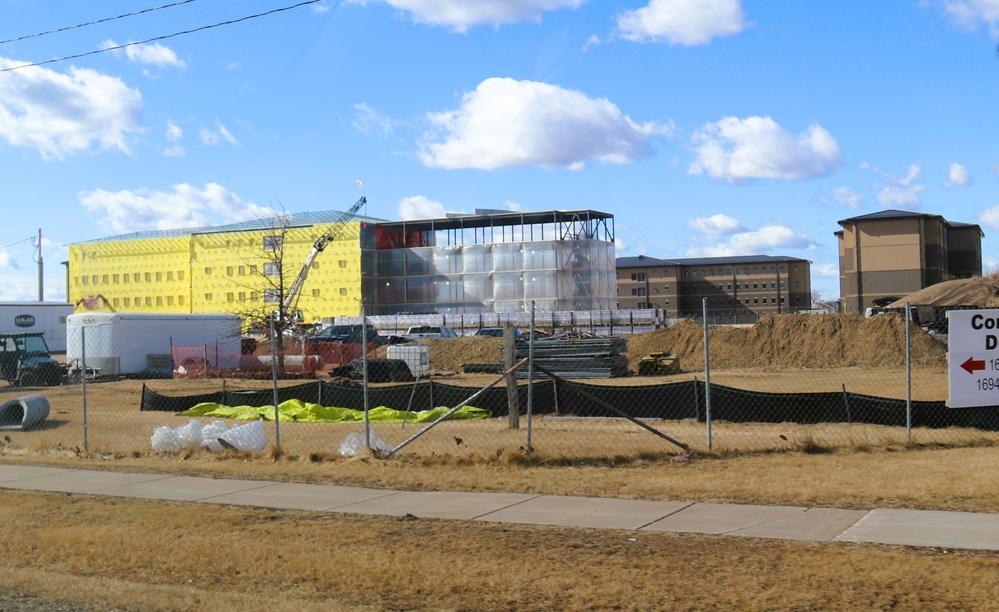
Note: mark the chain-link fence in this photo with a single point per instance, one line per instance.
(787, 382)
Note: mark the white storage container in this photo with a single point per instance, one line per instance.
(416, 356)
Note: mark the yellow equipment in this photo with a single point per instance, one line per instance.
(659, 363)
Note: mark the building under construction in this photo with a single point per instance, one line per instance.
(492, 261)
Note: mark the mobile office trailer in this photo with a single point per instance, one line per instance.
(133, 343)
(46, 317)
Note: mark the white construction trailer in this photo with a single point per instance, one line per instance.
(133, 343)
(47, 317)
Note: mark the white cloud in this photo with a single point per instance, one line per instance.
(148, 54)
(826, 270)
(762, 241)
(186, 206)
(902, 192)
(958, 176)
(506, 123)
(214, 138)
(843, 196)
(173, 132)
(592, 41)
(7, 262)
(715, 225)
(514, 206)
(369, 121)
(420, 207)
(459, 15)
(758, 148)
(990, 218)
(63, 113)
(682, 22)
(970, 13)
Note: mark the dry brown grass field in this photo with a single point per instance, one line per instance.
(87, 552)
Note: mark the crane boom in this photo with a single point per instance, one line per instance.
(291, 300)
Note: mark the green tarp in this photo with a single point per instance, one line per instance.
(297, 410)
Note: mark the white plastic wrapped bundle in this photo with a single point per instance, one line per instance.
(353, 445)
(249, 437)
(210, 436)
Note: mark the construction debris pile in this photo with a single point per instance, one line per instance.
(577, 355)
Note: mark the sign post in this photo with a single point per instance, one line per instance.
(973, 358)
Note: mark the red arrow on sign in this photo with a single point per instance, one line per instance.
(972, 365)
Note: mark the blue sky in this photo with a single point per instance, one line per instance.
(707, 127)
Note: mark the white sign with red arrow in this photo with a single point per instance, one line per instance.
(973, 358)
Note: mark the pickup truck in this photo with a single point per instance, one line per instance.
(425, 332)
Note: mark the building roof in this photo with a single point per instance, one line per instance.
(644, 261)
(302, 219)
(490, 218)
(906, 214)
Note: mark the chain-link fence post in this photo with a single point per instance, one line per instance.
(530, 378)
(83, 360)
(364, 376)
(707, 373)
(908, 374)
(274, 378)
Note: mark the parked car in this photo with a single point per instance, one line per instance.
(345, 334)
(338, 345)
(496, 332)
(424, 332)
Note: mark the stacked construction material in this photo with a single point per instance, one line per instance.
(577, 355)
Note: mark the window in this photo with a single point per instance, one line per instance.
(149, 301)
(242, 296)
(169, 275)
(93, 279)
(755, 286)
(254, 270)
(272, 296)
(782, 269)
(315, 265)
(115, 302)
(180, 300)
(728, 270)
(128, 302)
(773, 285)
(755, 271)
(253, 296)
(756, 300)
(125, 278)
(797, 284)
(208, 297)
(343, 291)
(773, 300)
(135, 277)
(641, 305)
(796, 268)
(114, 279)
(272, 268)
(169, 300)
(729, 286)
(315, 293)
(228, 270)
(229, 296)
(149, 277)
(272, 243)
(667, 303)
(242, 270)
(85, 281)
(159, 300)
(641, 291)
(180, 275)
(342, 263)
(665, 287)
(638, 276)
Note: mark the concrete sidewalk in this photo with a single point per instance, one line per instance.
(907, 527)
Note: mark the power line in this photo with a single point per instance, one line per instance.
(164, 37)
(90, 23)
(16, 243)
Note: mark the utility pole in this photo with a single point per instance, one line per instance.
(41, 270)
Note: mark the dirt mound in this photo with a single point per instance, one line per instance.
(777, 342)
(979, 291)
(792, 341)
